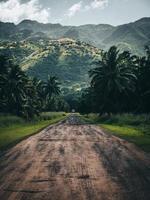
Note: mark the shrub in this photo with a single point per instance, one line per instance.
(8, 120)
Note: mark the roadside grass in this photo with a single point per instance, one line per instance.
(133, 134)
(14, 129)
(133, 128)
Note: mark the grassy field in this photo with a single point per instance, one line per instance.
(13, 129)
(134, 128)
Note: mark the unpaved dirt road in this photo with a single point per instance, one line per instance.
(74, 161)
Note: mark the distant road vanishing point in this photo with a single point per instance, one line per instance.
(74, 161)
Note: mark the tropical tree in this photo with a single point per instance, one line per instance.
(32, 104)
(143, 83)
(18, 93)
(86, 105)
(113, 80)
(14, 89)
(25, 96)
(4, 68)
(39, 86)
(52, 88)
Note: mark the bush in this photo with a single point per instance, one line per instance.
(51, 115)
(126, 119)
(120, 119)
(8, 120)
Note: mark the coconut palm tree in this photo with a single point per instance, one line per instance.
(18, 93)
(52, 86)
(143, 87)
(14, 88)
(32, 104)
(113, 78)
(4, 68)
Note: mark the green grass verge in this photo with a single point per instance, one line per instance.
(132, 134)
(133, 128)
(19, 130)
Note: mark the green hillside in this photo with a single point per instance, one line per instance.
(68, 59)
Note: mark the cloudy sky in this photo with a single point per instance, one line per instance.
(74, 12)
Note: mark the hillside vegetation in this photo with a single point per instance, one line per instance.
(68, 59)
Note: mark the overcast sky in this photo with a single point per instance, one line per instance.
(74, 12)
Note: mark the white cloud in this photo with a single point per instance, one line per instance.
(99, 4)
(78, 7)
(15, 11)
(74, 9)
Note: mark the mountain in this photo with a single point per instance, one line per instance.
(92, 34)
(7, 30)
(133, 36)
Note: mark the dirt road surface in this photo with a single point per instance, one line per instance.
(74, 161)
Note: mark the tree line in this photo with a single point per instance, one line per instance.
(25, 96)
(120, 82)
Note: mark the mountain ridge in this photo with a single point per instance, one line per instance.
(130, 36)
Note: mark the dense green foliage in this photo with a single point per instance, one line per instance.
(67, 59)
(24, 96)
(120, 83)
(119, 119)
